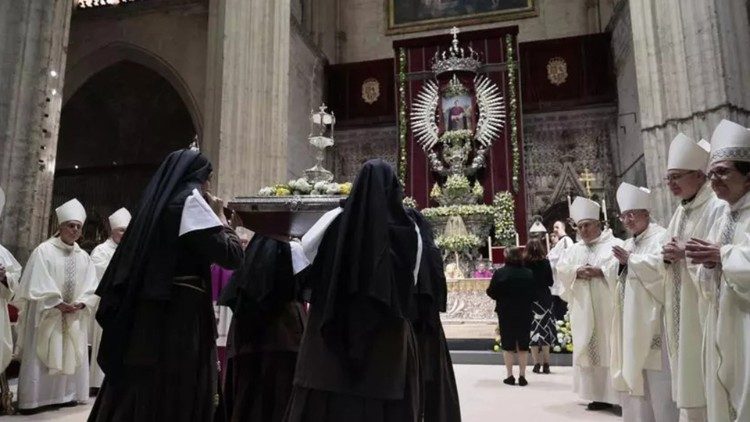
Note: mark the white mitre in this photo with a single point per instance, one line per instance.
(584, 209)
(2, 201)
(71, 211)
(119, 219)
(685, 154)
(631, 197)
(730, 141)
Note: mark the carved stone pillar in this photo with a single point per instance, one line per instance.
(247, 94)
(692, 69)
(33, 44)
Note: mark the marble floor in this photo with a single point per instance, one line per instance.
(483, 398)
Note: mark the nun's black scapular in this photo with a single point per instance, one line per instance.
(265, 332)
(358, 358)
(439, 391)
(158, 348)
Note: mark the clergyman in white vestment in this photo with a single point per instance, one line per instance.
(10, 273)
(685, 310)
(725, 277)
(100, 256)
(57, 297)
(640, 362)
(588, 279)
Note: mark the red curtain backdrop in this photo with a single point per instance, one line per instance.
(590, 73)
(497, 175)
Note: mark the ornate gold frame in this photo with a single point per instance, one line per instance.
(479, 18)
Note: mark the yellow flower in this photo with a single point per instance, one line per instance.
(496, 348)
(346, 188)
(569, 347)
(282, 191)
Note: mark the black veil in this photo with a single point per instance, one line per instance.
(375, 238)
(144, 262)
(431, 284)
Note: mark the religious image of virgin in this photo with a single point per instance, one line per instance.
(158, 348)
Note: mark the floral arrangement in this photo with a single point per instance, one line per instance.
(436, 192)
(498, 344)
(302, 187)
(462, 210)
(457, 182)
(459, 243)
(504, 211)
(564, 343)
(456, 137)
(409, 202)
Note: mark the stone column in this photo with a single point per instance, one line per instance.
(247, 94)
(33, 44)
(692, 69)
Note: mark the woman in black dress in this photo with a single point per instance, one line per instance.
(358, 358)
(158, 347)
(543, 329)
(512, 287)
(439, 391)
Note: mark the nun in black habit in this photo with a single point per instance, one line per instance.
(265, 332)
(158, 347)
(358, 359)
(439, 391)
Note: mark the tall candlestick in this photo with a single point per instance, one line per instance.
(546, 237)
(604, 209)
(518, 241)
(569, 201)
(489, 247)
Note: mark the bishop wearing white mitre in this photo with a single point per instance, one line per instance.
(684, 309)
(56, 295)
(588, 279)
(725, 277)
(10, 273)
(639, 359)
(101, 255)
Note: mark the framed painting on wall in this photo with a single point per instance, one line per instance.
(424, 15)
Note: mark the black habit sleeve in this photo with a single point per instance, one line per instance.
(218, 245)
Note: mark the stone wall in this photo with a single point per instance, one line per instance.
(171, 40)
(692, 70)
(363, 25)
(306, 86)
(627, 146)
(354, 146)
(559, 146)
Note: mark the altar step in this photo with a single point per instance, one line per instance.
(479, 352)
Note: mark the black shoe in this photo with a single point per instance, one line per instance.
(597, 405)
(536, 369)
(545, 368)
(511, 380)
(522, 381)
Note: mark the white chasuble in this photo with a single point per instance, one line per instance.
(590, 304)
(554, 256)
(727, 334)
(100, 256)
(684, 309)
(12, 275)
(638, 314)
(53, 345)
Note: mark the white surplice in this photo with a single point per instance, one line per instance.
(53, 346)
(590, 305)
(100, 256)
(727, 332)
(554, 256)
(684, 309)
(13, 275)
(639, 362)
